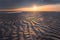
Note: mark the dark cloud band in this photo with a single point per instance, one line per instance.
(20, 3)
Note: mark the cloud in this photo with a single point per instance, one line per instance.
(51, 7)
(51, 1)
(21, 3)
(9, 3)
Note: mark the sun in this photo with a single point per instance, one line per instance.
(34, 8)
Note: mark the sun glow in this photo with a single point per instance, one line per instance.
(34, 8)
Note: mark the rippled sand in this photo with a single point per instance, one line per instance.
(30, 26)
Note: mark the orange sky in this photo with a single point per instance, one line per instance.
(54, 7)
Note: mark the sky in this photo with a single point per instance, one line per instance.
(51, 7)
(45, 4)
(23, 3)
